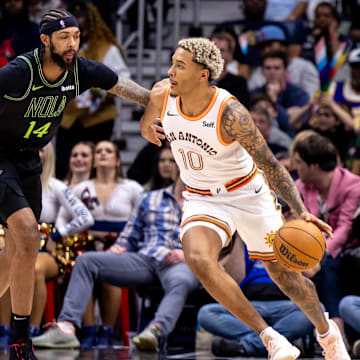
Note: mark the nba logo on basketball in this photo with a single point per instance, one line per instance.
(62, 24)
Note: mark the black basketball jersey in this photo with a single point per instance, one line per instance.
(31, 108)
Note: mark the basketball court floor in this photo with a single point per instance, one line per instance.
(122, 353)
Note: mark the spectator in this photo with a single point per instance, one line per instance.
(349, 309)
(329, 119)
(332, 193)
(281, 92)
(163, 174)
(91, 115)
(234, 338)
(17, 33)
(276, 139)
(253, 11)
(279, 116)
(38, 7)
(348, 93)
(280, 10)
(80, 163)
(111, 199)
(300, 72)
(236, 85)
(326, 24)
(147, 249)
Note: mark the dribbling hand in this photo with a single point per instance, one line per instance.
(323, 226)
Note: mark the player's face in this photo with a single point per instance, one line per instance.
(64, 46)
(80, 159)
(166, 164)
(184, 73)
(105, 155)
(303, 169)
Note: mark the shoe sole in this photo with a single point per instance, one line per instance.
(293, 356)
(72, 345)
(145, 345)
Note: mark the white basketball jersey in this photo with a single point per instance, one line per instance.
(203, 157)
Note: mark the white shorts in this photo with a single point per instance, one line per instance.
(252, 210)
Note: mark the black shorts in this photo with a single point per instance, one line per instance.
(20, 185)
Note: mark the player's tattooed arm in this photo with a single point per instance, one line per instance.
(130, 90)
(238, 124)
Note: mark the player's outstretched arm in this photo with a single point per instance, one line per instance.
(238, 125)
(149, 129)
(130, 90)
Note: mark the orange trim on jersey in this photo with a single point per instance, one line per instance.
(255, 255)
(205, 192)
(164, 104)
(200, 116)
(239, 182)
(221, 224)
(218, 121)
(230, 186)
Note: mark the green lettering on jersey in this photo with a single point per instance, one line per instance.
(61, 107)
(34, 107)
(44, 107)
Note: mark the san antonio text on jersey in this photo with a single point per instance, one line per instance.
(31, 107)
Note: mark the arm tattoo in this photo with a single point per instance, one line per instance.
(131, 91)
(238, 124)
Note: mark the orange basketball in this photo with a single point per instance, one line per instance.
(299, 245)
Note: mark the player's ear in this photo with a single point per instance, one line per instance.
(45, 39)
(205, 74)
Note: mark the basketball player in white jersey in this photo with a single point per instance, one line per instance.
(220, 153)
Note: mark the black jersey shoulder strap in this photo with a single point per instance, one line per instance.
(30, 82)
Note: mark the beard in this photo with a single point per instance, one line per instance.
(59, 60)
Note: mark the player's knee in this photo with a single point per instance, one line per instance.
(28, 245)
(199, 264)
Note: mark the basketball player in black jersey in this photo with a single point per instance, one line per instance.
(34, 90)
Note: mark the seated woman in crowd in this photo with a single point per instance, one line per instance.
(163, 170)
(110, 199)
(80, 163)
(55, 194)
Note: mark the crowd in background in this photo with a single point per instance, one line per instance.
(295, 65)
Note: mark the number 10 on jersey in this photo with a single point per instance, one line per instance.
(192, 158)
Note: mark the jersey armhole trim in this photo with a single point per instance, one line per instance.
(76, 75)
(164, 104)
(218, 120)
(30, 82)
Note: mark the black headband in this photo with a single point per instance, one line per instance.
(58, 24)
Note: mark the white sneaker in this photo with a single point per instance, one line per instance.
(55, 337)
(278, 346)
(333, 344)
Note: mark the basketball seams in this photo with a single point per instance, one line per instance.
(296, 228)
